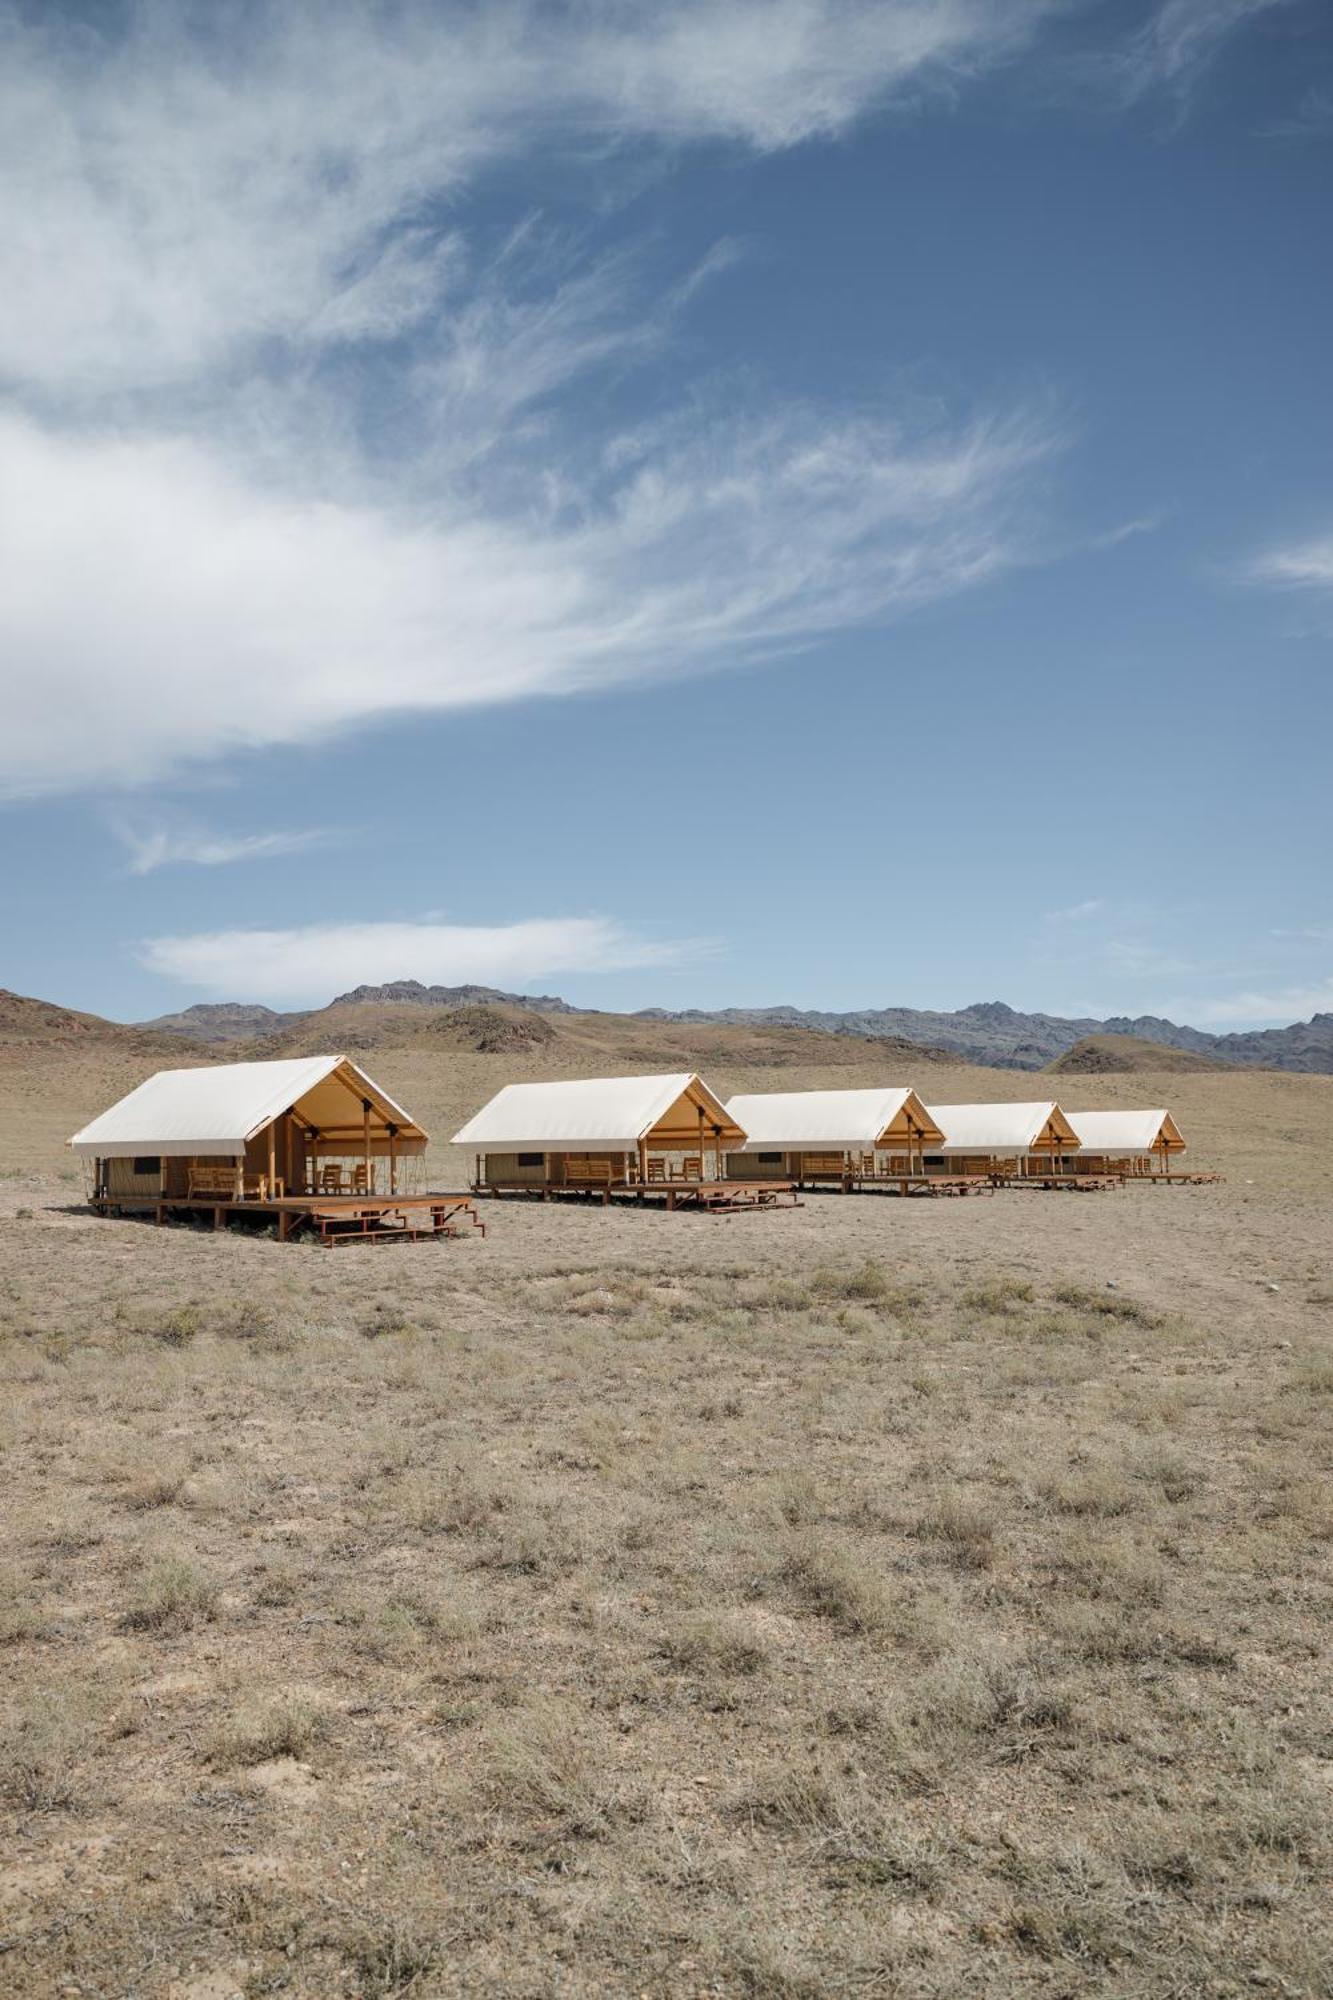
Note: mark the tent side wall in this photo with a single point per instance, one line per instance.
(771, 1164)
(516, 1170)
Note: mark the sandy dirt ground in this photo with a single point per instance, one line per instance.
(886, 1596)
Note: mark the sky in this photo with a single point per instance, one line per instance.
(738, 502)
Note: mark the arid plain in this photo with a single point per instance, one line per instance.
(885, 1597)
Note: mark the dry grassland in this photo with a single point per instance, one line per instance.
(915, 1598)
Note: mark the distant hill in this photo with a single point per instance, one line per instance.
(222, 1021)
(413, 993)
(246, 1021)
(39, 1025)
(992, 1033)
(1123, 1055)
(987, 1032)
(614, 1042)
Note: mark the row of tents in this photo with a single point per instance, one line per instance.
(637, 1128)
(272, 1131)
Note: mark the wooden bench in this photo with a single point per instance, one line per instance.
(587, 1173)
(823, 1166)
(219, 1184)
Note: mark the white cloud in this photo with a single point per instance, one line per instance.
(1181, 38)
(1292, 1003)
(163, 847)
(1136, 958)
(312, 963)
(1305, 565)
(313, 452)
(1076, 912)
(216, 612)
(222, 175)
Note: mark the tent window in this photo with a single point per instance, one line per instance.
(936, 1160)
(148, 1163)
(769, 1159)
(531, 1159)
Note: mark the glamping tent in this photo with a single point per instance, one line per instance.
(259, 1131)
(1001, 1138)
(600, 1133)
(1125, 1142)
(837, 1135)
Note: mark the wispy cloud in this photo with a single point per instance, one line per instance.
(156, 847)
(1076, 912)
(1138, 958)
(313, 962)
(312, 442)
(229, 615)
(1302, 565)
(1291, 1003)
(1180, 39)
(225, 175)
(1312, 118)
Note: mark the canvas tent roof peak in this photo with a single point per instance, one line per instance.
(999, 1128)
(612, 1113)
(1126, 1131)
(828, 1118)
(211, 1111)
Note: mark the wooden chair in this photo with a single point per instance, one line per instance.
(330, 1179)
(691, 1168)
(360, 1178)
(656, 1170)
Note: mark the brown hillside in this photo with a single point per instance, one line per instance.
(580, 1044)
(37, 1025)
(1127, 1055)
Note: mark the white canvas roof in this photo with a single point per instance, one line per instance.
(834, 1118)
(1121, 1131)
(994, 1128)
(611, 1113)
(213, 1111)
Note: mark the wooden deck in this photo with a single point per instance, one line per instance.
(899, 1184)
(716, 1197)
(330, 1218)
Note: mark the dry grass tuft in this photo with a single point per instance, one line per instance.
(286, 1724)
(174, 1596)
(839, 1583)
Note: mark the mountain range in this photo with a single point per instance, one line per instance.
(991, 1032)
(987, 1032)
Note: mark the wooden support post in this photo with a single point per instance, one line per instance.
(365, 1137)
(284, 1224)
(287, 1125)
(643, 1160)
(701, 1142)
(272, 1158)
(240, 1180)
(393, 1159)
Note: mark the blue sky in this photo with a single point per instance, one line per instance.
(823, 501)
